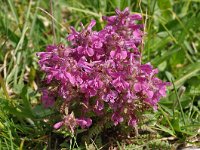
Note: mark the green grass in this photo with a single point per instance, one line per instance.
(172, 44)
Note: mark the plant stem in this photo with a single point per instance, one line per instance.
(179, 103)
(52, 22)
(3, 85)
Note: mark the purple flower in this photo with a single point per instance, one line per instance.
(110, 97)
(99, 106)
(146, 68)
(74, 34)
(82, 63)
(138, 87)
(101, 72)
(58, 125)
(129, 97)
(149, 93)
(70, 78)
(162, 90)
(48, 99)
(69, 121)
(116, 118)
(120, 84)
(118, 55)
(136, 17)
(51, 48)
(84, 122)
(132, 121)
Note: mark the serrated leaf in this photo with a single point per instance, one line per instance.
(167, 130)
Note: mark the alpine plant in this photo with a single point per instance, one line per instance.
(100, 72)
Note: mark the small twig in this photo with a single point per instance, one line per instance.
(52, 22)
(136, 131)
(3, 85)
(5, 64)
(179, 103)
(144, 29)
(65, 27)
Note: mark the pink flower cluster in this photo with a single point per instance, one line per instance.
(102, 73)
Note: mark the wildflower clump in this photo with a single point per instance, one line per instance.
(100, 72)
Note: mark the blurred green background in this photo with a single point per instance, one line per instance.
(171, 44)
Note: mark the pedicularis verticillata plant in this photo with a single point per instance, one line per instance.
(101, 73)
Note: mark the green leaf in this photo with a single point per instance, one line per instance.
(41, 112)
(191, 70)
(26, 99)
(175, 124)
(14, 12)
(8, 33)
(157, 60)
(88, 12)
(167, 130)
(164, 6)
(11, 109)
